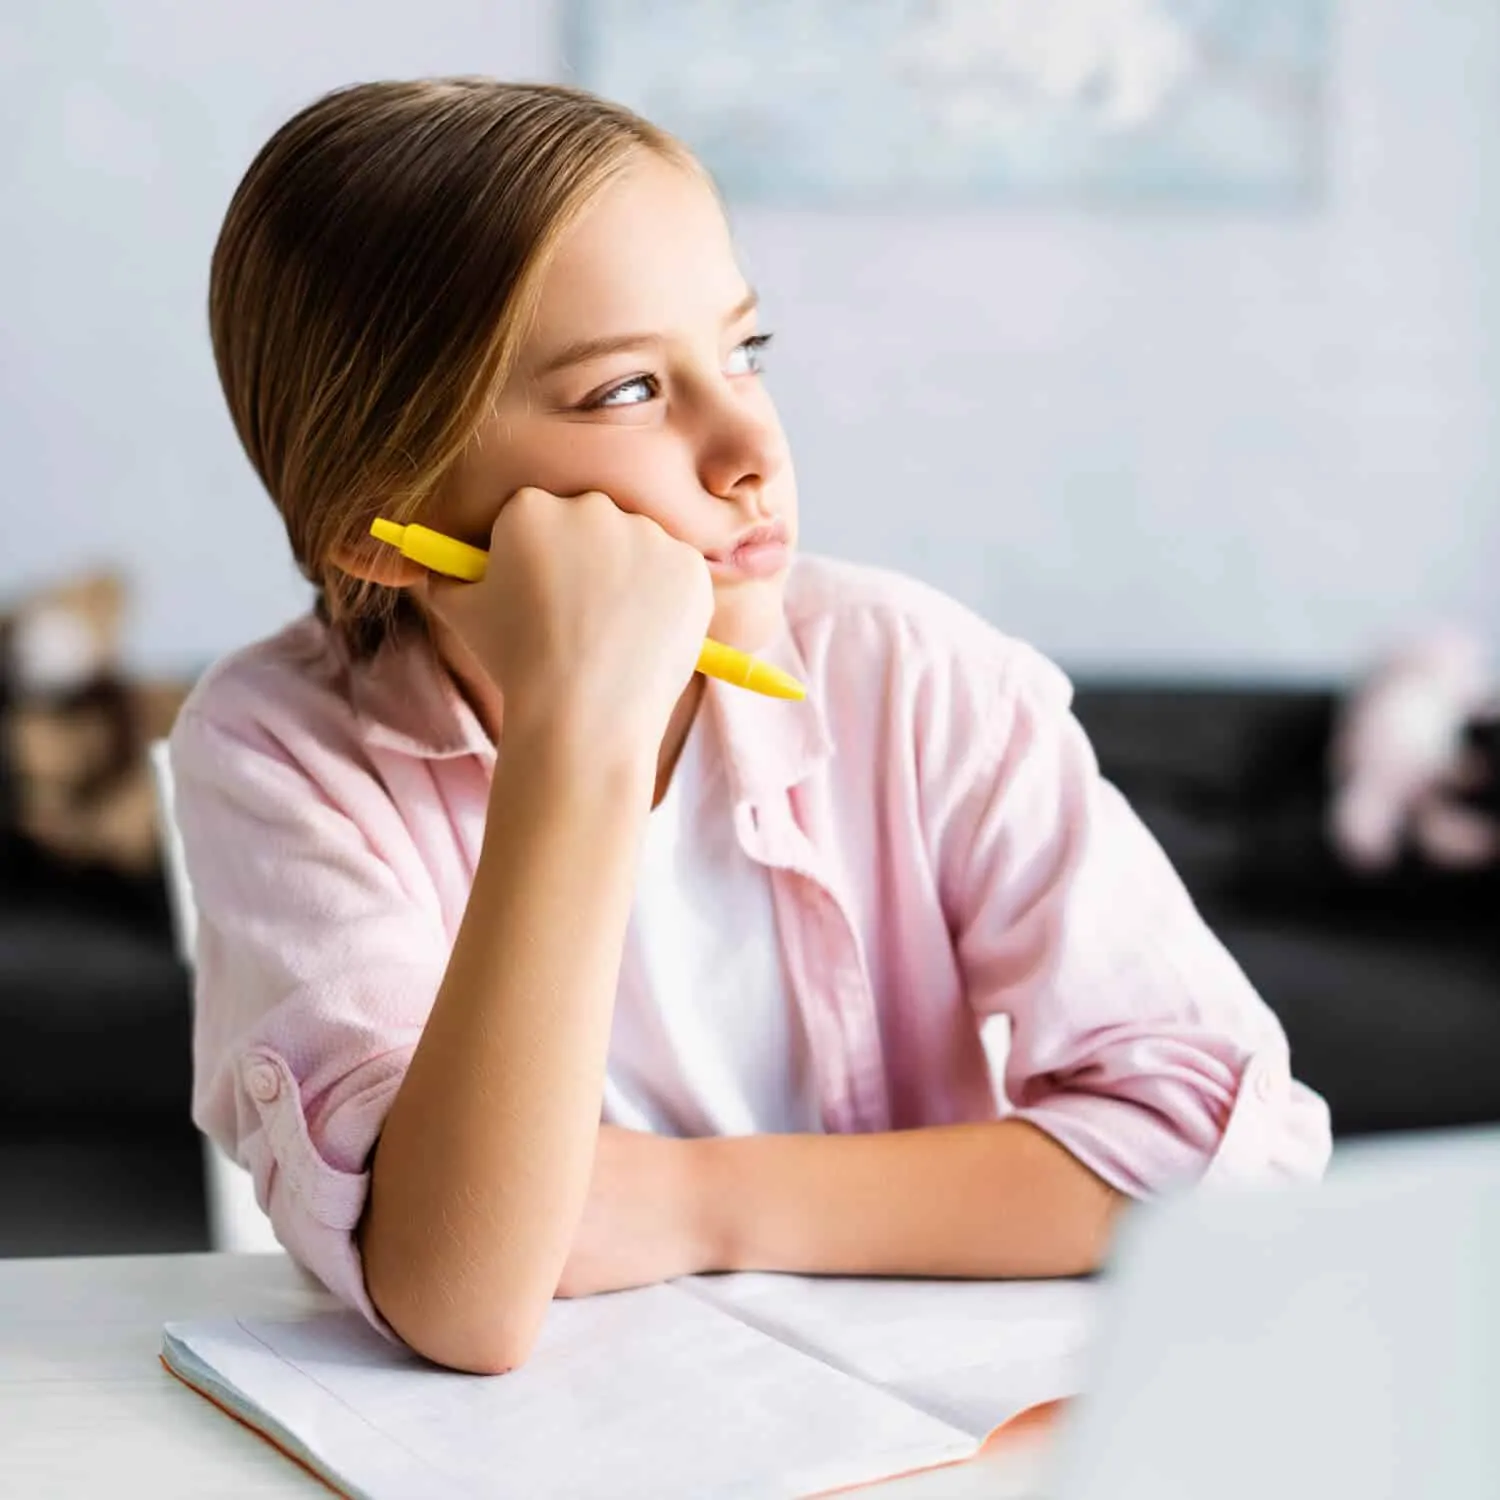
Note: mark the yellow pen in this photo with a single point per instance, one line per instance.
(445, 554)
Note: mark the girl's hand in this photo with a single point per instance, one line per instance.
(646, 1216)
(588, 618)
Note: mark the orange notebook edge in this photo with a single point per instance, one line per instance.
(250, 1426)
(1025, 1426)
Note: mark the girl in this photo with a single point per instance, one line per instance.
(533, 964)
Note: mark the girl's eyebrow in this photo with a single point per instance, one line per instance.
(585, 349)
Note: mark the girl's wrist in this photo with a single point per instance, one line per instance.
(714, 1220)
(571, 727)
(552, 759)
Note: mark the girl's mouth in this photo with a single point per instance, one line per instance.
(760, 552)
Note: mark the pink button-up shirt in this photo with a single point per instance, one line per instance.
(941, 850)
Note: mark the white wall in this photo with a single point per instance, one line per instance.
(1237, 444)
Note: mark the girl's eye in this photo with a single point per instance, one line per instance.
(630, 392)
(748, 358)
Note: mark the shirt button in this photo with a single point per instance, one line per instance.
(1265, 1083)
(263, 1081)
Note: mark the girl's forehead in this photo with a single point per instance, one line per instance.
(652, 245)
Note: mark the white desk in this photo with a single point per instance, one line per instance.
(86, 1409)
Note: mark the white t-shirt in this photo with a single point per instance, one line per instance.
(707, 1039)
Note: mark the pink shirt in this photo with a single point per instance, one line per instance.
(941, 849)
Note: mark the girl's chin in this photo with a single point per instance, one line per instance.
(749, 617)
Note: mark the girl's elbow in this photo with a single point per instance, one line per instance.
(473, 1341)
(475, 1353)
(448, 1324)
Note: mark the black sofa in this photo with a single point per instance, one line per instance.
(1389, 986)
(1389, 989)
(97, 1152)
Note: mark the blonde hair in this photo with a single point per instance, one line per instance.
(371, 287)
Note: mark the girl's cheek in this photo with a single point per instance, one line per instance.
(642, 475)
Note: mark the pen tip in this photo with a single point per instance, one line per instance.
(778, 684)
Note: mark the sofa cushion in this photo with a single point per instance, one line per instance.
(1396, 1030)
(96, 1014)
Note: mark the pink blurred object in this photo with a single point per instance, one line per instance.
(1399, 761)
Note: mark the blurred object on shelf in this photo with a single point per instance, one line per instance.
(1415, 760)
(75, 726)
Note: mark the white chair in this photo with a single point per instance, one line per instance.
(235, 1220)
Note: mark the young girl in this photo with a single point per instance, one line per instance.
(531, 963)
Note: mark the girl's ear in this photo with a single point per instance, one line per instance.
(378, 562)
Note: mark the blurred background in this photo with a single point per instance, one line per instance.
(1163, 333)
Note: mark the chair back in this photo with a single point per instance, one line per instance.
(235, 1219)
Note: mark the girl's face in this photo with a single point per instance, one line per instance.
(641, 378)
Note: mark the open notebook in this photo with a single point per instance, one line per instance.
(727, 1386)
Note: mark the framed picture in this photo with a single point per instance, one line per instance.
(1195, 103)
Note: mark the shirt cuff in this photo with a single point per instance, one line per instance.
(313, 1205)
(1277, 1130)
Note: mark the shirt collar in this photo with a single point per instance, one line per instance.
(770, 744)
(406, 700)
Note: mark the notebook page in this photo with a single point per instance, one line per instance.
(971, 1353)
(651, 1394)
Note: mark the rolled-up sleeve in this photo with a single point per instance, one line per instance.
(1135, 1039)
(320, 946)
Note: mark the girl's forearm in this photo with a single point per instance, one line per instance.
(998, 1199)
(483, 1165)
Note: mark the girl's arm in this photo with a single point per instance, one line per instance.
(986, 1200)
(589, 620)
(483, 1164)
(997, 1199)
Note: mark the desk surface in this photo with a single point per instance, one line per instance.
(87, 1410)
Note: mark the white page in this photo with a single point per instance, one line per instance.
(972, 1353)
(650, 1394)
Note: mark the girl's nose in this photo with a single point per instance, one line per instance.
(744, 452)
